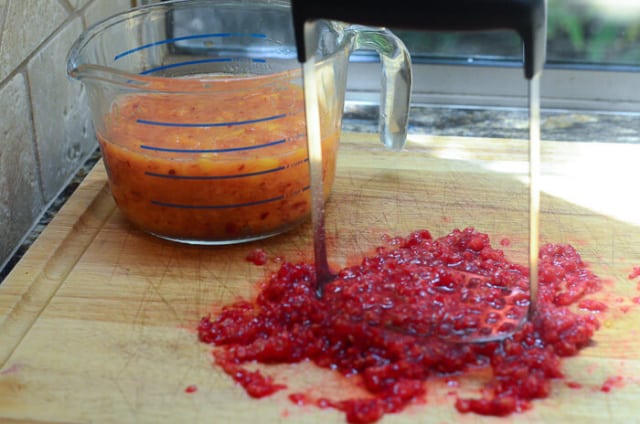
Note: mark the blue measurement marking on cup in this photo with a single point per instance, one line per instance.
(184, 38)
(225, 177)
(198, 62)
(210, 124)
(231, 149)
(233, 205)
(185, 63)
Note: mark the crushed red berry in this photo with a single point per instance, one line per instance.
(592, 305)
(299, 398)
(254, 382)
(257, 257)
(574, 385)
(431, 289)
(611, 382)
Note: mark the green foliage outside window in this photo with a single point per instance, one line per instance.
(579, 31)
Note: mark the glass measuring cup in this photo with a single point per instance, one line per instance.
(199, 112)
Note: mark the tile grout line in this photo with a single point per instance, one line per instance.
(3, 17)
(22, 66)
(49, 211)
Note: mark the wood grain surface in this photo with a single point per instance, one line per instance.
(97, 320)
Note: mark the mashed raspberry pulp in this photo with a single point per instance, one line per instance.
(435, 287)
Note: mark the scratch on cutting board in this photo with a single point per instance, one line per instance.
(216, 281)
(13, 369)
(126, 398)
(156, 289)
(609, 412)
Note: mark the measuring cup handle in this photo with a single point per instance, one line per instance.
(395, 96)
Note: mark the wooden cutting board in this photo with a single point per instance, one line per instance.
(97, 320)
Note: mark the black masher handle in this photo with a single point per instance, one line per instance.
(526, 17)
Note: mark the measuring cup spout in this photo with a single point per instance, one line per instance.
(82, 66)
(96, 73)
(84, 59)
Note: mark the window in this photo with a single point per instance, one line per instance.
(593, 62)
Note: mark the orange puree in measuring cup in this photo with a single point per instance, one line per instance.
(214, 166)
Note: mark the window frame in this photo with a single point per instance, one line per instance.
(566, 87)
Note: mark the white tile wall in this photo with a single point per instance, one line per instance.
(45, 128)
(101, 9)
(21, 197)
(60, 114)
(77, 4)
(26, 24)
